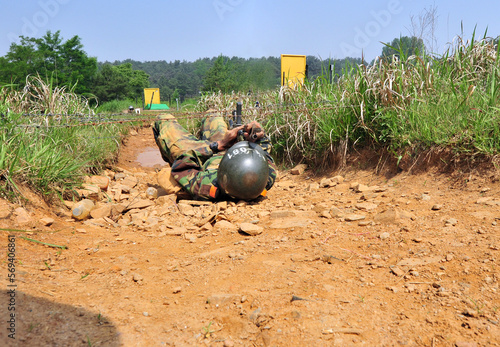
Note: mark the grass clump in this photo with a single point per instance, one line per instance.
(404, 104)
(50, 153)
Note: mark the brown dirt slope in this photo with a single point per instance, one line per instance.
(361, 259)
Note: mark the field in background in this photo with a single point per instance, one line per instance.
(406, 106)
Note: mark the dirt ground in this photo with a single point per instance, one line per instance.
(362, 259)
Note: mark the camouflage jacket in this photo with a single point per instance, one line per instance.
(196, 171)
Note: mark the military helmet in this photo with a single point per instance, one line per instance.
(243, 171)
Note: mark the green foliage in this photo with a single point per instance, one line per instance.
(405, 105)
(404, 47)
(119, 82)
(64, 62)
(220, 76)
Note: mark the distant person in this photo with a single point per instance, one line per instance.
(220, 165)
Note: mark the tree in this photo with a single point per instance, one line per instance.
(65, 63)
(404, 47)
(119, 82)
(219, 76)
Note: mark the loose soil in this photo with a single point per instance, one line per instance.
(375, 260)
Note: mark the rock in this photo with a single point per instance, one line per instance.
(325, 214)
(140, 204)
(119, 176)
(299, 169)
(281, 214)
(89, 191)
(336, 212)
(360, 188)
(47, 221)
(366, 206)
(225, 225)
(437, 207)
(228, 343)
(482, 201)
(187, 210)
(251, 229)
(137, 278)
(313, 186)
(101, 181)
(129, 182)
(384, 236)
(451, 221)
(337, 179)
(397, 271)
(101, 212)
(327, 182)
(219, 299)
(177, 290)
(425, 197)
(390, 216)
(354, 217)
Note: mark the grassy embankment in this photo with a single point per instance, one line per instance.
(406, 106)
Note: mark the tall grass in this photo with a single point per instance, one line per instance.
(404, 104)
(50, 157)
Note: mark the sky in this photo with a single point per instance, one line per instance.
(153, 30)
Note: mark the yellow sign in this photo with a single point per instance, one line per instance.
(293, 69)
(151, 96)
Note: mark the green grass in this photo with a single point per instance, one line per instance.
(406, 105)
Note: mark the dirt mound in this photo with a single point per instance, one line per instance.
(348, 258)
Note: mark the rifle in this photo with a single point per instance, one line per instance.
(237, 118)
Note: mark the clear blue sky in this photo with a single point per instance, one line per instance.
(187, 30)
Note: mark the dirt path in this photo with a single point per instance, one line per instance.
(374, 261)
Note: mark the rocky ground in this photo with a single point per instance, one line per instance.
(348, 258)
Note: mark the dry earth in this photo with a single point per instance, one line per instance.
(375, 260)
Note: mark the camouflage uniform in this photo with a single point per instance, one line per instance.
(194, 165)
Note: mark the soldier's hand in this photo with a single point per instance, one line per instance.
(229, 138)
(253, 131)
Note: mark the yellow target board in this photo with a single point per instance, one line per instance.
(293, 69)
(151, 96)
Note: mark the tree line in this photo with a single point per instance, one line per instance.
(65, 63)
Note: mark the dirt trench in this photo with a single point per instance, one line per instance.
(349, 258)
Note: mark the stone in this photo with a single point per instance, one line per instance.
(390, 216)
(336, 212)
(384, 236)
(451, 221)
(219, 299)
(437, 207)
(366, 206)
(251, 229)
(140, 204)
(313, 186)
(360, 188)
(281, 214)
(187, 210)
(47, 221)
(22, 216)
(354, 217)
(129, 181)
(101, 181)
(397, 271)
(299, 169)
(101, 212)
(225, 225)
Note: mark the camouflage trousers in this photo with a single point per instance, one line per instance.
(173, 140)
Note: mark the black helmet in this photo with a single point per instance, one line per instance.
(243, 171)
